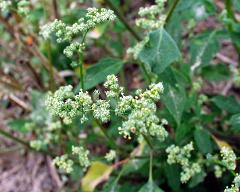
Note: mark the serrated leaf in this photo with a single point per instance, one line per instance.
(203, 140)
(97, 173)
(174, 100)
(227, 103)
(97, 73)
(150, 186)
(160, 51)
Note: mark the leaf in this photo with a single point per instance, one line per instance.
(198, 178)
(203, 48)
(221, 143)
(19, 125)
(97, 173)
(150, 186)
(203, 140)
(173, 176)
(160, 51)
(174, 100)
(218, 72)
(235, 122)
(227, 103)
(97, 73)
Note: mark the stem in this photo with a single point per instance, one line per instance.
(147, 75)
(51, 68)
(170, 12)
(55, 9)
(15, 139)
(81, 58)
(148, 141)
(81, 71)
(24, 143)
(150, 166)
(230, 13)
(124, 21)
(109, 139)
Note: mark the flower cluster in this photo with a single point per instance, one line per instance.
(228, 158)
(182, 156)
(82, 156)
(111, 155)
(101, 110)
(46, 135)
(141, 110)
(22, 6)
(151, 18)
(65, 104)
(112, 85)
(218, 171)
(67, 33)
(5, 5)
(235, 186)
(64, 163)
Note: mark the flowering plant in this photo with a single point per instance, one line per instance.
(123, 107)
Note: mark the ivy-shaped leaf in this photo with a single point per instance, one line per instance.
(160, 51)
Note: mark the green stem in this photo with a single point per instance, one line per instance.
(170, 12)
(124, 21)
(51, 70)
(15, 139)
(81, 70)
(24, 143)
(230, 13)
(148, 141)
(109, 139)
(81, 62)
(150, 166)
(147, 75)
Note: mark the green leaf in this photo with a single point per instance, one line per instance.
(218, 72)
(203, 48)
(173, 176)
(227, 103)
(19, 125)
(203, 140)
(235, 122)
(150, 186)
(198, 178)
(175, 100)
(97, 73)
(160, 51)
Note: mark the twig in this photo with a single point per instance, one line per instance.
(15, 139)
(226, 59)
(53, 173)
(55, 9)
(124, 21)
(19, 102)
